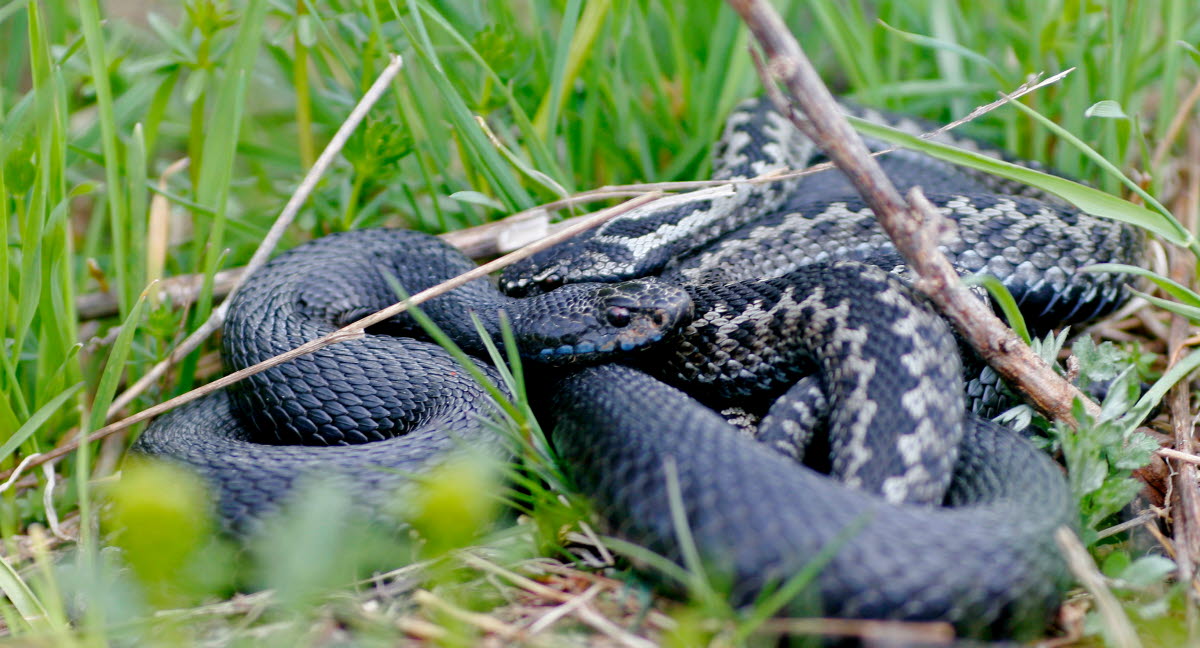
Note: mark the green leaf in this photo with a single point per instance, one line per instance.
(938, 44)
(1169, 286)
(36, 421)
(1110, 497)
(114, 367)
(476, 198)
(23, 598)
(1190, 312)
(1106, 109)
(159, 514)
(1090, 200)
(1004, 299)
(1135, 452)
(1158, 390)
(1168, 221)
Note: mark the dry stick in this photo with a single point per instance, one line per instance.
(1119, 630)
(925, 633)
(656, 618)
(351, 331)
(269, 242)
(1170, 453)
(1127, 525)
(566, 607)
(1187, 505)
(910, 226)
(488, 624)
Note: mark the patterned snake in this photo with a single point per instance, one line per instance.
(769, 296)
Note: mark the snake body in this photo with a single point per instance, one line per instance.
(391, 405)
(986, 561)
(742, 305)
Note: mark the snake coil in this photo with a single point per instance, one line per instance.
(776, 297)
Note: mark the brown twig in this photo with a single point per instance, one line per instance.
(1186, 503)
(910, 225)
(924, 633)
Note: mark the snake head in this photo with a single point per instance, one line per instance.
(583, 323)
(580, 260)
(537, 274)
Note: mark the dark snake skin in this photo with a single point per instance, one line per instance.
(393, 406)
(937, 515)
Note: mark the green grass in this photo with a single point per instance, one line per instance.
(581, 94)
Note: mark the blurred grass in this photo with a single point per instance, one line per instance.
(93, 109)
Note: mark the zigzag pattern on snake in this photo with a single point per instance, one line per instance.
(886, 368)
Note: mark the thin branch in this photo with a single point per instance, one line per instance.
(1120, 630)
(924, 633)
(1138, 521)
(486, 623)
(1186, 506)
(1170, 453)
(910, 225)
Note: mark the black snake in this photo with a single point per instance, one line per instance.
(758, 285)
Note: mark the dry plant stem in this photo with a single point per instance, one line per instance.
(1138, 521)
(1180, 118)
(567, 607)
(576, 602)
(269, 242)
(158, 229)
(1171, 453)
(421, 629)
(1186, 504)
(909, 226)
(349, 332)
(922, 633)
(484, 622)
(1119, 630)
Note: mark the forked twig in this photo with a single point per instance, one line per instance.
(908, 224)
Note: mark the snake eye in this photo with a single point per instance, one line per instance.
(617, 316)
(551, 282)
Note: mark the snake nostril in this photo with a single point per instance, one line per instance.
(659, 317)
(617, 316)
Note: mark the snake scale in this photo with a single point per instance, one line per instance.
(782, 298)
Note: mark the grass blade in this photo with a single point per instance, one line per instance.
(1004, 299)
(1169, 286)
(1086, 198)
(36, 421)
(21, 596)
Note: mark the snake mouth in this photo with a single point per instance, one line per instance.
(588, 351)
(600, 322)
(639, 329)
